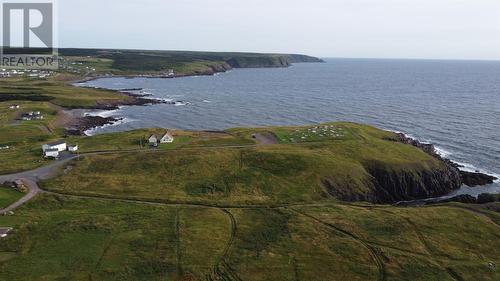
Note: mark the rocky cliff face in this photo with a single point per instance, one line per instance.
(259, 62)
(394, 186)
(269, 61)
(302, 58)
(386, 186)
(468, 178)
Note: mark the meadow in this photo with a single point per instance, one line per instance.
(70, 238)
(8, 196)
(229, 168)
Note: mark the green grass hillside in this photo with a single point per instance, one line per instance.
(247, 204)
(227, 169)
(64, 238)
(55, 92)
(8, 196)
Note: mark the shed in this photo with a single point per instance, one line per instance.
(73, 148)
(51, 153)
(153, 140)
(4, 232)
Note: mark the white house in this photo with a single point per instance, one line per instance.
(153, 140)
(58, 145)
(51, 153)
(73, 148)
(167, 138)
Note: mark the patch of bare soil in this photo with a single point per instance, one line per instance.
(265, 138)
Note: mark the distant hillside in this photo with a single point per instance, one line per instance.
(182, 62)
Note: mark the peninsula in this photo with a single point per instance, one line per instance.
(271, 203)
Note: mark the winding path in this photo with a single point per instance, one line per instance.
(30, 179)
(33, 191)
(382, 275)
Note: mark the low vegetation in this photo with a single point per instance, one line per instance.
(8, 196)
(20, 141)
(217, 168)
(112, 240)
(56, 92)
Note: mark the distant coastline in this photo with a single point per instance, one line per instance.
(80, 124)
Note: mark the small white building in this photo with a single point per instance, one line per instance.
(51, 153)
(14, 106)
(73, 148)
(167, 138)
(4, 232)
(58, 145)
(153, 140)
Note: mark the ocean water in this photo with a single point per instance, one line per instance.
(453, 104)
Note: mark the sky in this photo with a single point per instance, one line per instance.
(431, 29)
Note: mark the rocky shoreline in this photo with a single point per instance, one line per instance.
(80, 122)
(86, 123)
(136, 99)
(471, 179)
(210, 71)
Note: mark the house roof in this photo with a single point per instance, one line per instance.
(59, 142)
(51, 150)
(167, 135)
(153, 136)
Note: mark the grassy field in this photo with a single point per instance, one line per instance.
(21, 140)
(8, 196)
(55, 91)
(138, 139)
(273, 174)
(126, 241)
(24, 138)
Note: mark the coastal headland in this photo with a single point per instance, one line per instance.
(270, 203)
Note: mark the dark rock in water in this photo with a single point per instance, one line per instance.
(484, 198)
(476, 179)
(89, 122)
(129, 89)
(468, 178)
(464, 198)
(426, 147)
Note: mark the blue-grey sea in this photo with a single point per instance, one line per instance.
(453, 104)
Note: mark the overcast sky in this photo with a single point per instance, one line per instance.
(437, 29)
